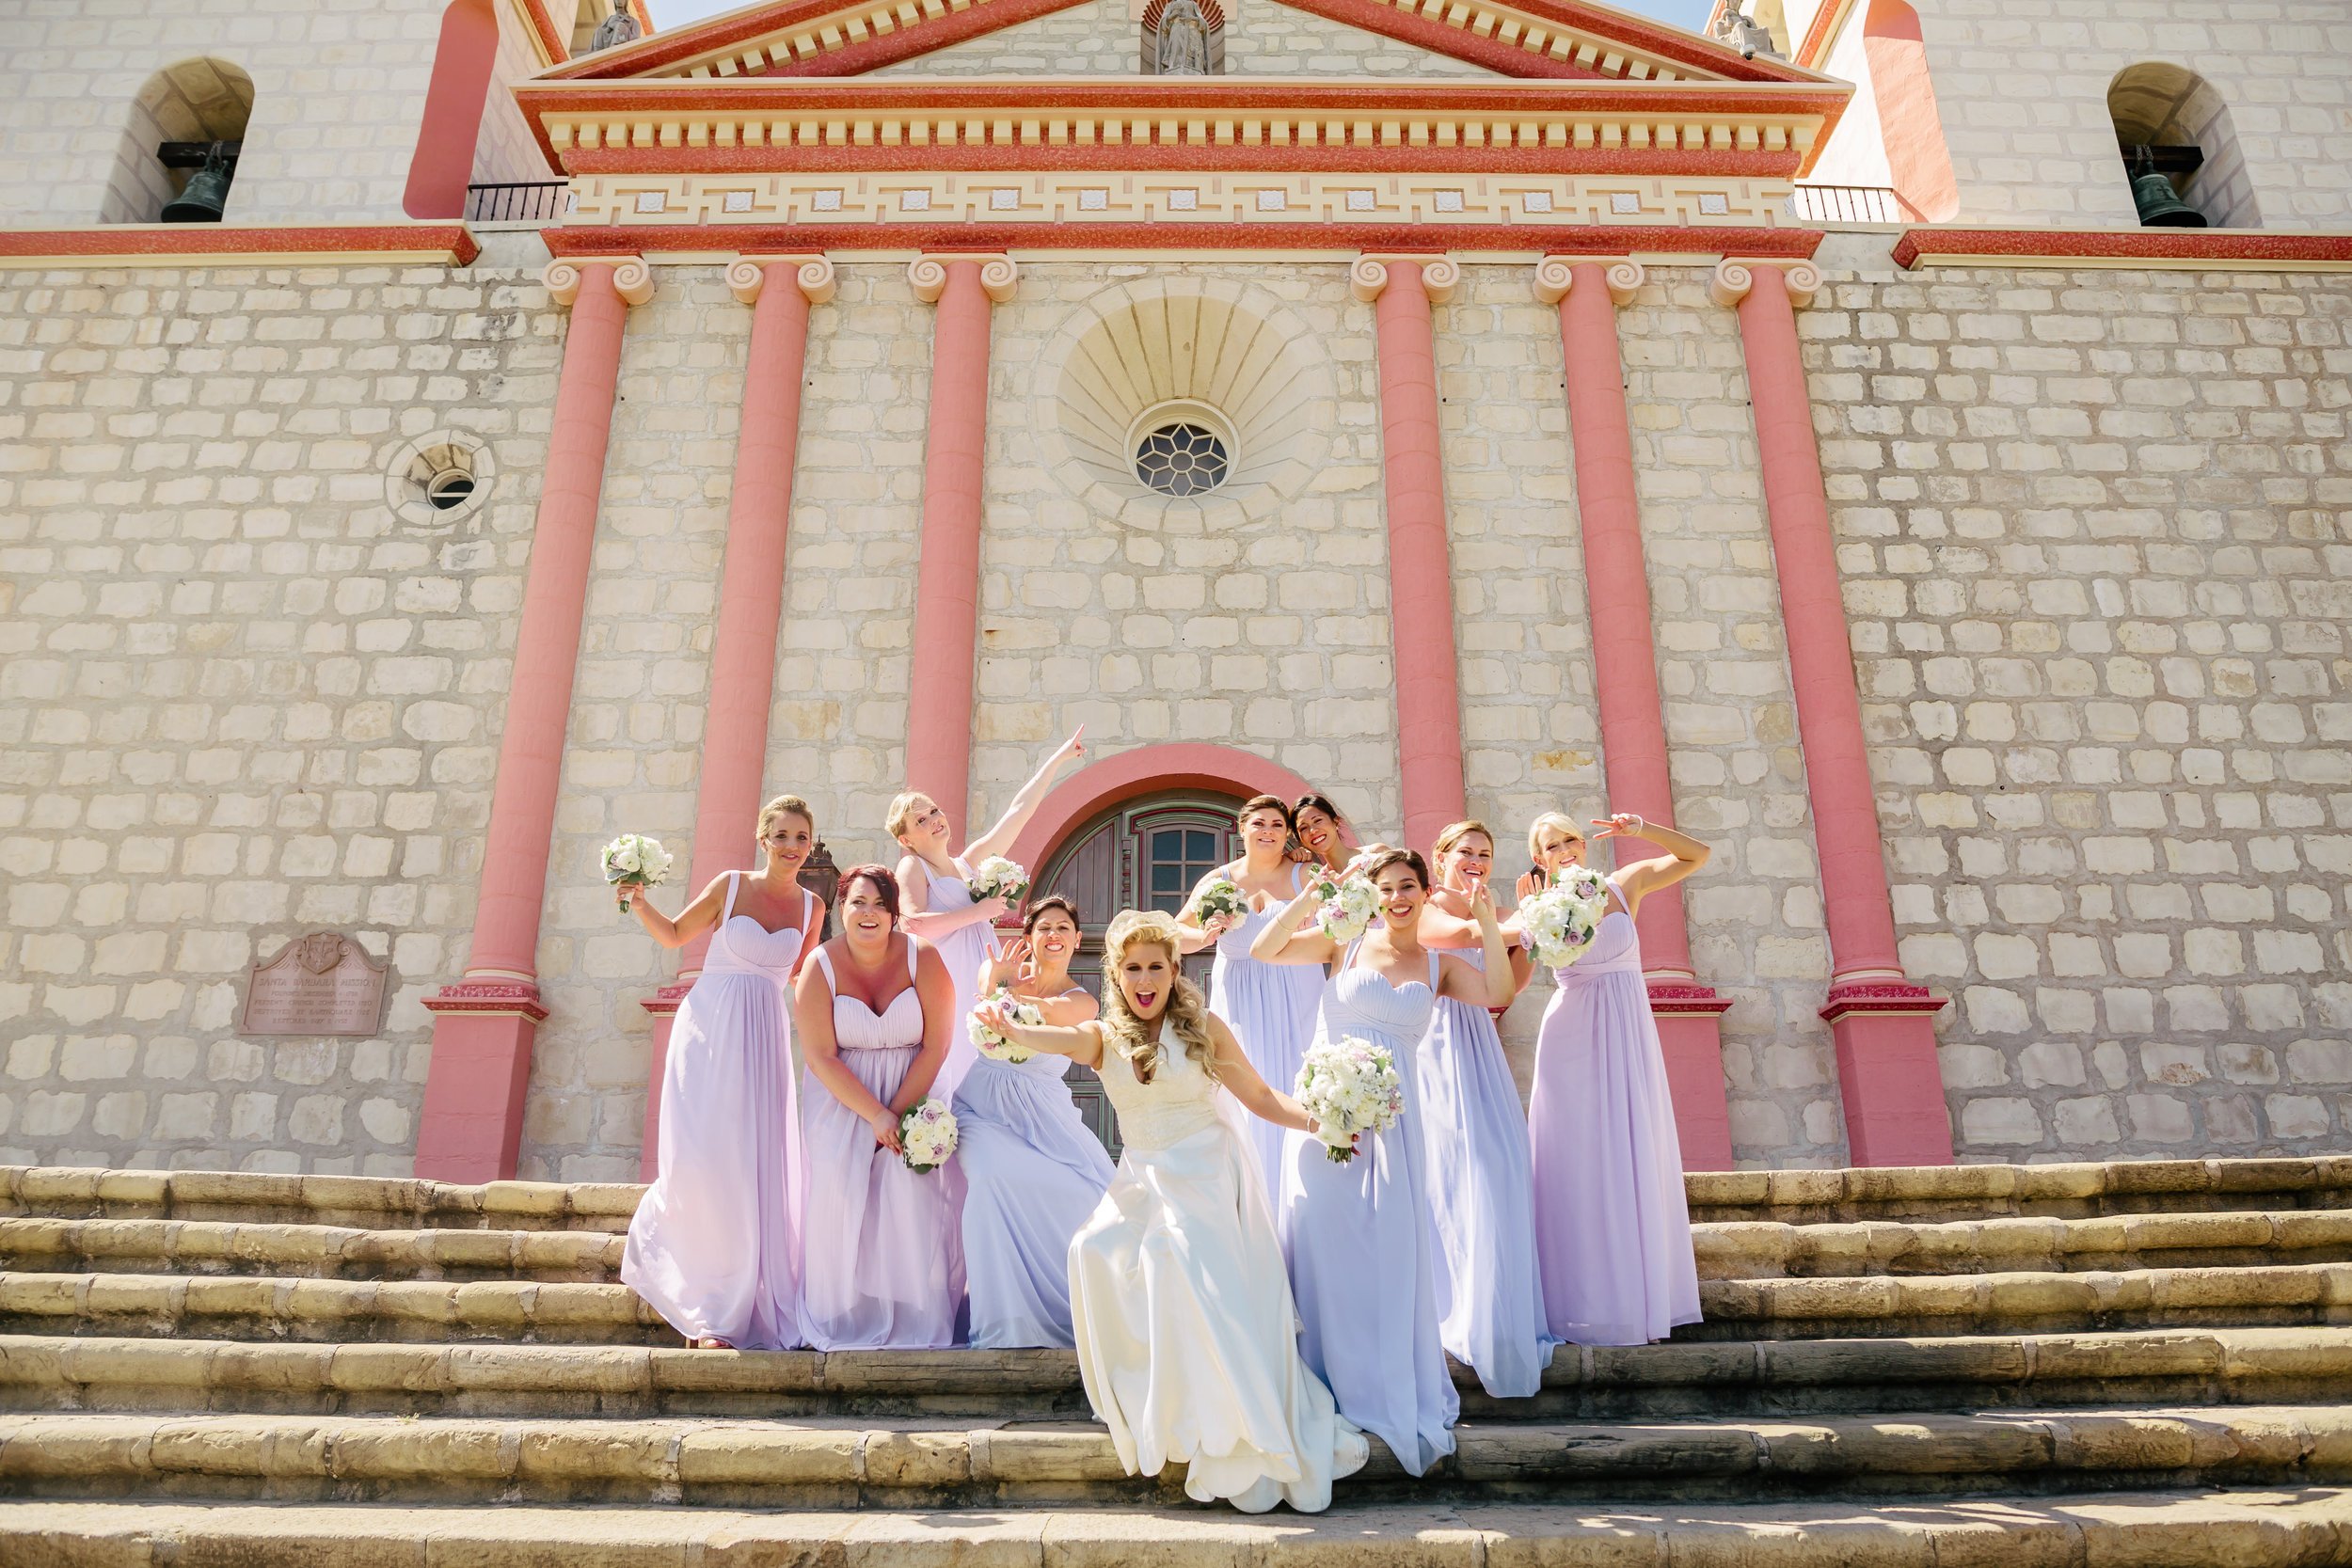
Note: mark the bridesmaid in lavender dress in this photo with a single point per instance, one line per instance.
(1612, 1232)
(1270, 1007)
(934, 884)
(881, 1262)
(1033, 1170)
(715, 1244)
(1361, 1246)
(1480, 1189)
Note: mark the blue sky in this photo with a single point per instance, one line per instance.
(1685, 13)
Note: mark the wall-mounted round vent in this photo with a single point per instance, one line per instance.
(438, 478)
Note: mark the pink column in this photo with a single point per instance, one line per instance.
(1625, 676)
(750, 606)
(947, 578)
(472, 1124)
(1421, 574)
(1884, 1024)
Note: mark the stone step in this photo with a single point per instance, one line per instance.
(1744, 1250)
(322, 1251)
(1909, 1305)
(304, 1306)
(96, 1373)
(1758, 1250)
(847, 1465)
(1925, 1192)
(2175, 1528)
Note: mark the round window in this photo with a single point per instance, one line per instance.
(448, 489)
(439, 480)
(1182, 458)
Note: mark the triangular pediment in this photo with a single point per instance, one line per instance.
(1536, 38)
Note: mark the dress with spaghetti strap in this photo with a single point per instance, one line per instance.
(1271, 1009)
(882, 1262)
(962, 951)
(715, 1244)
(1613, 1227)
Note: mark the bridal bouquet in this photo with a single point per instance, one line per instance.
(1563, 919)
(997, 877)
(1221, 896)
(989, 1043)
(1349, 1086)
(633, 860)
(928, 1133)
(1348, 905)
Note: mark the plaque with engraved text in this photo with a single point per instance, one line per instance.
(322, 984)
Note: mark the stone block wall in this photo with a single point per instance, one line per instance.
(2093, 527)
(2096, 536)
(241, 697)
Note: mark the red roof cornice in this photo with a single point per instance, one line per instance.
(1566, 240)
(2284, 249)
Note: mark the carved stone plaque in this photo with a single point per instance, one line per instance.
(322, 984)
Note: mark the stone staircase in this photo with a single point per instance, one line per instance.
(2146, 1363)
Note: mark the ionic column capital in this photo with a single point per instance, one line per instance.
(1440, 275)
(813, 274)
(1734, 277)
(928, 276)
(1555, 274)
(632, 278)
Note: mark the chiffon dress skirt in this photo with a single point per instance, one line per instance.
(882, 1263)
(1033, 1171)
(962, 951)
(714, 1247)
(1361, 1246)
(1271, 1010)
(1188, 1338)
(1481, 1196)
(1613, 1228)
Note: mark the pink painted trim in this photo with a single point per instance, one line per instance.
(176, 242)
(1421, 575)
(1566, 240)
(1891, 1086)
(750, 609)
(1889, 1094)
(455, 98)
(1951, 246)
(1180, 157)
(1691, 1046)
(947, 576)
(1178, 765)
(473, 1110)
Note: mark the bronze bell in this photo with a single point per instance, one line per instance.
(2160, 206)
(206, 196)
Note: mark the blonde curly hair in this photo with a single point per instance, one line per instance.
(1186, 1015)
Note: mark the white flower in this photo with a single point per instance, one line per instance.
(989, 1043)
(636, 861)
(1562, 920)
(1348, 908)
(928, 1134)
(997, 877)
(1221, 896)
(1349, 1086)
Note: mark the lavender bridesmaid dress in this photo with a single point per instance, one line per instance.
(1612, 1229)
(1481, 1190)
(714, 1245)
(882, 1266)
(962, 952)
(1033, 1171)
(1271, 1010)
(1361, 1248)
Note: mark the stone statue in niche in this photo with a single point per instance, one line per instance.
(1183, 40)
(620, 27)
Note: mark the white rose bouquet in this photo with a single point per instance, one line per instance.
(1348, 905)
(997, 877)
(928, 1133)
(633, 860)
(1221, 896)
(988, 1043)
(1562, 921)
(1349, 1086)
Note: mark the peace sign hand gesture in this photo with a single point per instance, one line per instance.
(1623, 824)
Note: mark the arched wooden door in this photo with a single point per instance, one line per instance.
(1144, 854)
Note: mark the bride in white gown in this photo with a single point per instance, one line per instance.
(1187, 1337)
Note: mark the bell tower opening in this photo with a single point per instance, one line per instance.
(2179, 151)
(179, 149)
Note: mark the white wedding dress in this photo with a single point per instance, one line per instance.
(1188, 1338)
